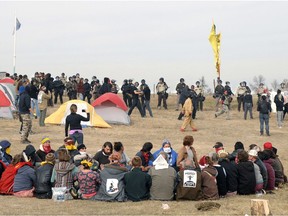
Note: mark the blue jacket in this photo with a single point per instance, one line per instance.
(25, 179)
(173, 157)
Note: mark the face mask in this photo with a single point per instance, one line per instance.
(167, 150)
(82, 152)
(8, 150)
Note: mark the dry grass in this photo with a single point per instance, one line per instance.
(163, 125)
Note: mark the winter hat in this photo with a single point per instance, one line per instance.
(30, 150)
(21, 89)
(5, 144)
(45, 139)
(50, 157)
(238, 145)
(81, 146)
(165, 141)
(218, 145)
(222, 153)
(253, 153)
(268, 145)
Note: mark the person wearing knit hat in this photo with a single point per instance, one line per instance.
(29, 155)
(45, 148)
(267, 145)
(5, 148)
(43, 187)
(167, 148)
(82, 155)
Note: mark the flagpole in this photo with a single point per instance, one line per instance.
(14, 54)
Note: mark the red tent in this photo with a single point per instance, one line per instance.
(7, 80)
(4, 101)
(110, 98)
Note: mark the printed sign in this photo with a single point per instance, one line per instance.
(112, 186)
(189, 178)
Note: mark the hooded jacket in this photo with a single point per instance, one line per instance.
(6, 158)
(63, 173)
(112, 184)
(209, 183)
(271, 174)
(246, 178)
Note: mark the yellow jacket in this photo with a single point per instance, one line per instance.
(187, 107)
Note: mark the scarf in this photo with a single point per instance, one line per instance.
(47, 148)
(146, 157)
(46, 162)
(71, 147)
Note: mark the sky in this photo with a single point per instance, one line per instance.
(146, 39)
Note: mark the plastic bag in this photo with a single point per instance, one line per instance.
(59, 194)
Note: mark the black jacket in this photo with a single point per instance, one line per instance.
(24, 103)
(74, 121)
(43, 180)
(264, 107)
(246, 178)
(137, 185)
(221, 181)
(279, 102)
(232, 175)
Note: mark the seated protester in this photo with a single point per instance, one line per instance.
(221, 178)
(209, 182)
(102, 156)
(246, 174)
(112, 186)
(88, 181)
(254, 147)
(163, 179)
(25, 178)
(82, 155)
(8, 176)
(270, 171)
(137, 183)
(146, 156)
(187, 151)
(237, 147)
(69, 145)
(253, 154)
(30, 152)
(277, 165)
(63, 171)
(231, 172)
(5, 148)
(189, 183)
(172, 155)
(44, 149)
(279, 177)
(43, 187)
(218, 146)
(118, 147)
(2, 167)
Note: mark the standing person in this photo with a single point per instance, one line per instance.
(43, 97)
(225, 100)
(124, 89)
(240, 93)
(161, 89)
(137, 183)
(58, 87)
(71, 87)
(262, 90)
(187, 112)
(24, 111)
(87, 90)
(114, 87)
(48, 82)
(218, 93)
(194, 101)
(106, 87)
(146, 100)
(200, 96)
(279, 101)
(141, 88)
(248, 105)
(163, 179)
(74, 121)
(180, 86)
(80, 89)
(96, 89)
(33, 93)
(135, 100)
(264, 108)
(183, 96)
(228, 88)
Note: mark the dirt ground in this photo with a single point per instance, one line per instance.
(164, 125)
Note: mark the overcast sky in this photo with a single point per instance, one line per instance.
(135, 39)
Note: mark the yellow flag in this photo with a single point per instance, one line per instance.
(215, 40)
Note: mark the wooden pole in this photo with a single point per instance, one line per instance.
(260, 207)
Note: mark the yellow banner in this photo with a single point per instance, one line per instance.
(215, 40)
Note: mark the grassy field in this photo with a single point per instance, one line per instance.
(163, 125)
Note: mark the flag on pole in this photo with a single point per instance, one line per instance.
(215, 40)
(17, 25)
